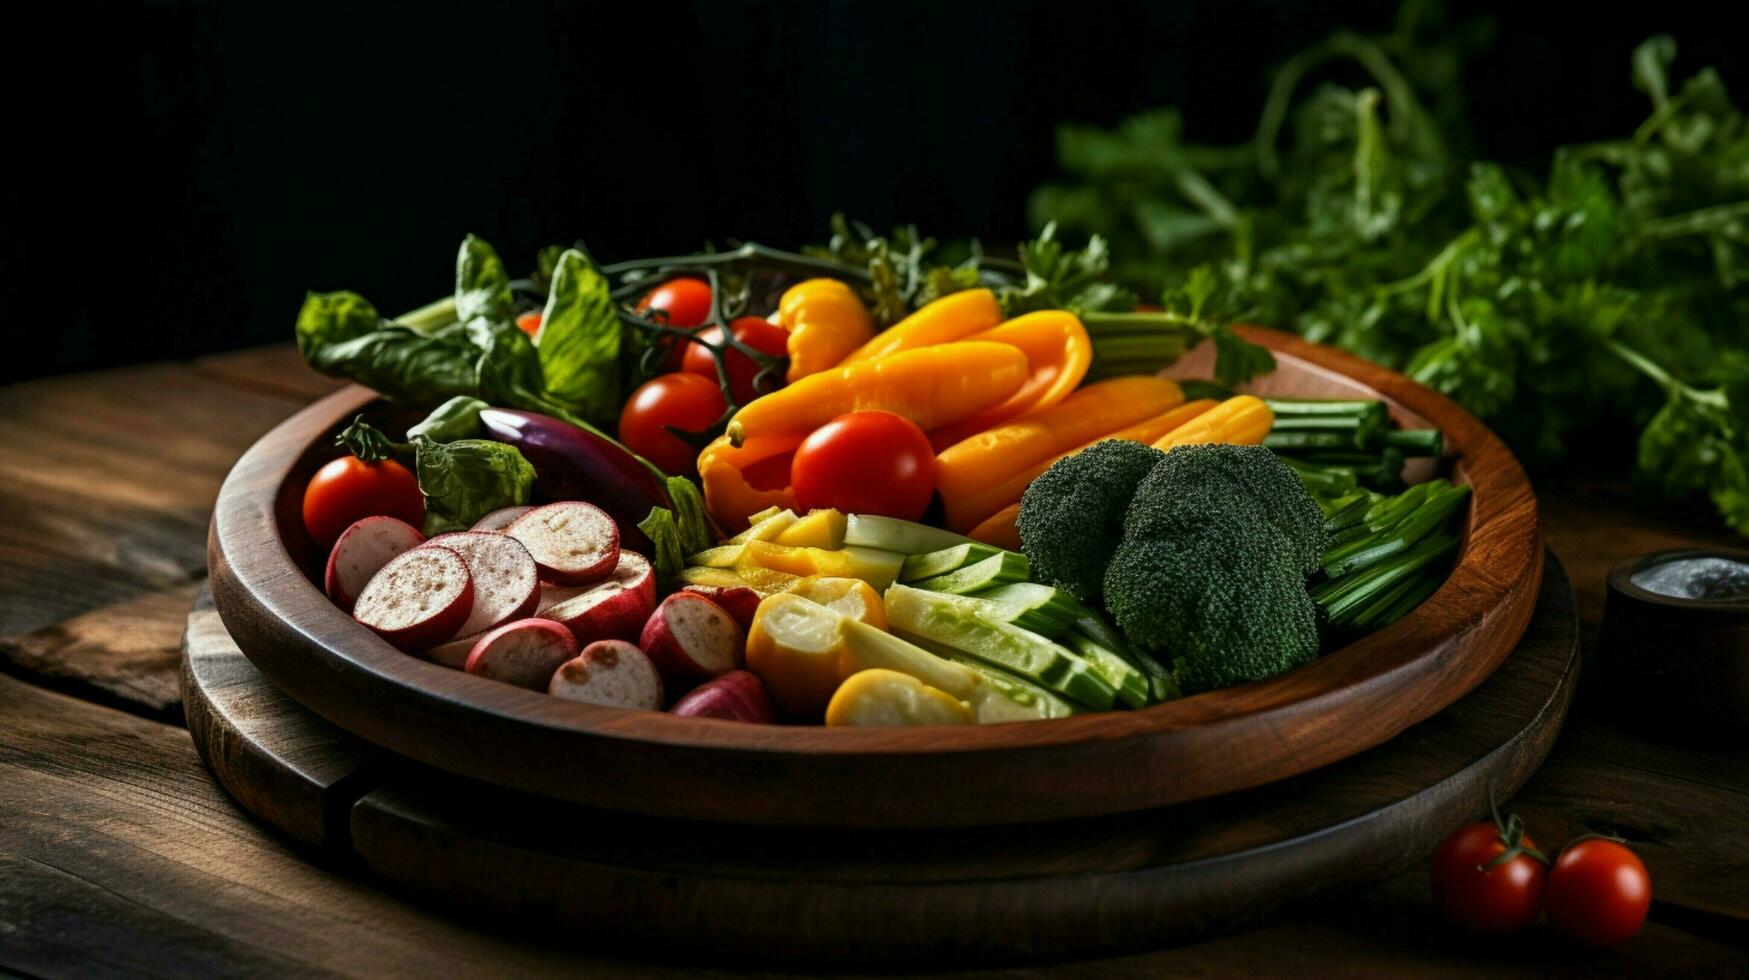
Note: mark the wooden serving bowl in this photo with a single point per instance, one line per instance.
(706, 769)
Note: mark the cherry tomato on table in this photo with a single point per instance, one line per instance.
(1475, 893)
(1598, 893)
(687, 303)
(685, 401)
(866, 463)
(349, 489)
(766, 338)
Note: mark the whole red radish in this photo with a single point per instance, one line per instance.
(1599, 892)
(506, 583)
(524, 653)
(1489, 877)
(691, 639)
(738, 601)
(417, 600)
(612, 673)
(735, 696)
(361, 551)
(348, 489)
(573, 542)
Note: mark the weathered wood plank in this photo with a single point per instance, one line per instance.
(120, 854)
(107, 482)
(129, 651)
(276, 369)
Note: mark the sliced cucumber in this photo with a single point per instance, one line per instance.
(1020, 699)
(968, 681)
(967, 625)
(998, 569)
(932, 563)
(1133, 687)
(892, 534)
(1043, 609)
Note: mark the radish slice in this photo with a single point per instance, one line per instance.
(735, 696)
(506, 582)
(603, 611)
(573, 542)
(361, 551)
(452, 653)
(524, 653)
(633, 573)
(612, 673)
(738, 601)
(501, 518)
(691, 639)
(419, 599)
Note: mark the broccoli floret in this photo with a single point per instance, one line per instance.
(1194, 479)
(1212, 564)
(1226, 604)
(1071, 516)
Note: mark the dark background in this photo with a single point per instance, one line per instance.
(183, 171)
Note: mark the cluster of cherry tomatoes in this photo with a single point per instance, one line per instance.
(864, 462)
(1490, 878)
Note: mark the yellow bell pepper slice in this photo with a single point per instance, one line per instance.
(850, 597)
(1239, 421)
(887, 697)
(728, 495)
(1058, 354)
(826, 322)
(820, 529)
(932, 386)
(955, 316)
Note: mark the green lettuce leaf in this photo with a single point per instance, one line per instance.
(482, 287)
(580, 339)
(465, 480)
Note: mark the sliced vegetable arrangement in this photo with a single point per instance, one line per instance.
(924, 495)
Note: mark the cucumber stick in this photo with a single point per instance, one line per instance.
(1133, 687)
(993, 698)
(892, 534)
(998, 569)
(1042, 609)
(973, 627)
(932, 563)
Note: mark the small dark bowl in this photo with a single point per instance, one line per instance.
(1681, 663)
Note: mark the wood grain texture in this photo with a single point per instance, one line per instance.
(127, 653)
(909, 897)
(1083, 766)
(107, 481)
(281, 762)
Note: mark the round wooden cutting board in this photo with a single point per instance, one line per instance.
(923, 898)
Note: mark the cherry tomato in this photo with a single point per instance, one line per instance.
(349, 489)
(766, 338)
(529, 322)
(685, 401)
(1501, 899)
(1598, 893)
(866, 463)
(687, 301)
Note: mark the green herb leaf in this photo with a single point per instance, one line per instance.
(580, 340)
(482, 287)
(458, 418)
(669, 554)
(465, 480)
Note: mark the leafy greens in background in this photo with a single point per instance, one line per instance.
(1612, 293)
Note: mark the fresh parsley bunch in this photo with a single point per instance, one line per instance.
(1612, 294)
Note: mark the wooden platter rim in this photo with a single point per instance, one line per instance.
(1439, 652)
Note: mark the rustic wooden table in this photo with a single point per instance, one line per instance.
(119, 854)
